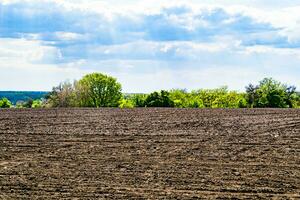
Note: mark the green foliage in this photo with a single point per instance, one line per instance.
(179, 97)
(194, 101)
(5, 103)
(242, 102)
(99, 90)
(159, 99)
(271, 94)
(126, 103)
(183, 99)
(211, 98)
(230, 100)
(37, 104)
(93, 90)
(297, 100)
(30, 103)
(220, 98)
(138, 100)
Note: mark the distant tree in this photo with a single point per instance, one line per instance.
(28, 103)
(271, 93)
(183, 99)
(179, 97)
(159, 99)
(139, 99)
(230, 100)
(291, 97)
(126, 103)
(297, 101)
(194, 101)
(99, 90)
(20, 104)
(62, 96)
(5, 103)
(37, 104)
(252, 95)
(210, 97)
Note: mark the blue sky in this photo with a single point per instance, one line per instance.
(149, 45)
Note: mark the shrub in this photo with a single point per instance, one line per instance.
(37, 104)
(159, 99)
(138, 99)
(179, 97)
(5, 103)
(125, 103)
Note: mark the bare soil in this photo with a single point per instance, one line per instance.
(150, 154)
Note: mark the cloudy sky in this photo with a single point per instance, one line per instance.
(149, 44)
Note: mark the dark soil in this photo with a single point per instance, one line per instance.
(150, 154)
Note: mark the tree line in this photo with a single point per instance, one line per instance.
(99, 90)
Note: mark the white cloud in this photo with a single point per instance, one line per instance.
(27, 51)
(67, 36)
(149, 45)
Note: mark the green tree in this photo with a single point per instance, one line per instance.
(139, 99)
(271, 93)
(297, 101)
(292, 98)
(194, 101)
(159, 99)
(99, 90)
(230, 100)
(179, 97)
(211, 98)
(5, 103)
(183, 99)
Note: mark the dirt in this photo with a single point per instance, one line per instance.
(150, 154)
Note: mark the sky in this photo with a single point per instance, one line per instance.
(149, 44)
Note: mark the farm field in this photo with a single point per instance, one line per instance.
(149, 153)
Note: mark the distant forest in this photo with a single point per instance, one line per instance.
(15, 96)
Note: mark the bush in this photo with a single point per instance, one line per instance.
(179, 97)
(194, 101)
(20, 104)
(183, 99)
(24, 104)
(159, 99)
(138, 100)
(37, 104)
(228, 100)
(5, 103)
(125, 103)
(211, 98)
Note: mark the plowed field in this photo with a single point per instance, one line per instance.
(149, 154)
